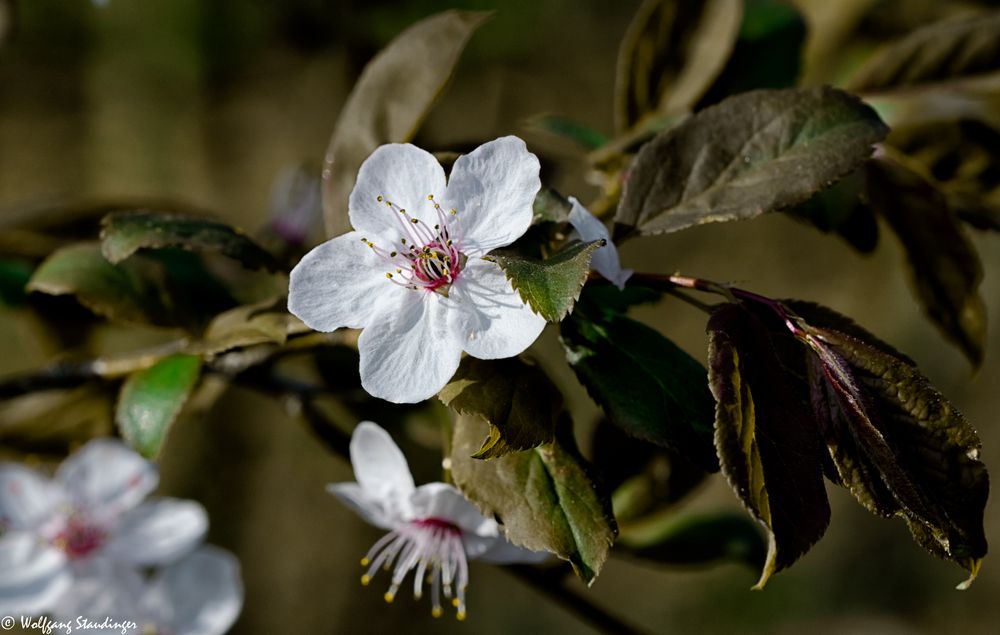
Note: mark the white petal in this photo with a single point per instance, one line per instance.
(106, 478)
(605, 259)
(493, 188)
(444, 502)
(157, 532)
(410, 351)
(32, 575)
(203, 591)
(496, 322)
(371, 510)
(27, 498)
(401, 173)
(379, 465)
(502, 552)
(102, 588)
(339, 284)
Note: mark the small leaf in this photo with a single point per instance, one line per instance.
(390, 100)
(945, 267)
(151, 399)
(544, 497)
(646, 384)
(670, 55)
(754, 153)
(14, 277)
(129, 292)
(124, 233)
(953, 49)
(898, 445)
(770, 452)
(515, 398)
(694, 539)
(244, 326)
(550, 287)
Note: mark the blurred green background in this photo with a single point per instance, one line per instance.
(206, 102)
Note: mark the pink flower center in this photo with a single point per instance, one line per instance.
(432, 546)
(78, 539)
(427, 257)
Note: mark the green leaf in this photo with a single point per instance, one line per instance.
(953, 49)
(550, 287)
(515, 398)
(753, 153)
(544, 497)
(130, 292)
(165, 288)
(151, 399)
(670, 55)
(898, 445)
(768, 53)
(14, 277)
(770, 451)
(124, 233)
(945, 267)
(647, 385)
(694, 539)
(391, 99)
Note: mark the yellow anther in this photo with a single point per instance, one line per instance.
(449, 242)
(430, 197)
(437, 206)
(364, 240)
(389, 597)
(460, 616)
(454, 602)
(388, 275)
(364, 562)
(399, 271)
(436, 612)
(366, 580)
(454, 211)
(379, 198)
(414, 221)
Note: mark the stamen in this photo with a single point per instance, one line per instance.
(429, 545)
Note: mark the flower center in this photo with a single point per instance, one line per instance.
(432, 546)
(78, 539)
(427, 257)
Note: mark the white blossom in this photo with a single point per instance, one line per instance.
(200, 594)
(605, 260)
(87, 520)
(412, 273)
(433, 529)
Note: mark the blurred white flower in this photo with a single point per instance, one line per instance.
(201, 594)
(412, 273)
(86, 521)
(432, 528)
(605, 260)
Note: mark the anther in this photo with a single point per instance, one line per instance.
(430, 197)
(365, 562)
(389, 275)
(379, 198)
(436, 612)
(389, 597)
(460, 616)
(392, 254)
(364, 240)
(365, 580)
(414, 220)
